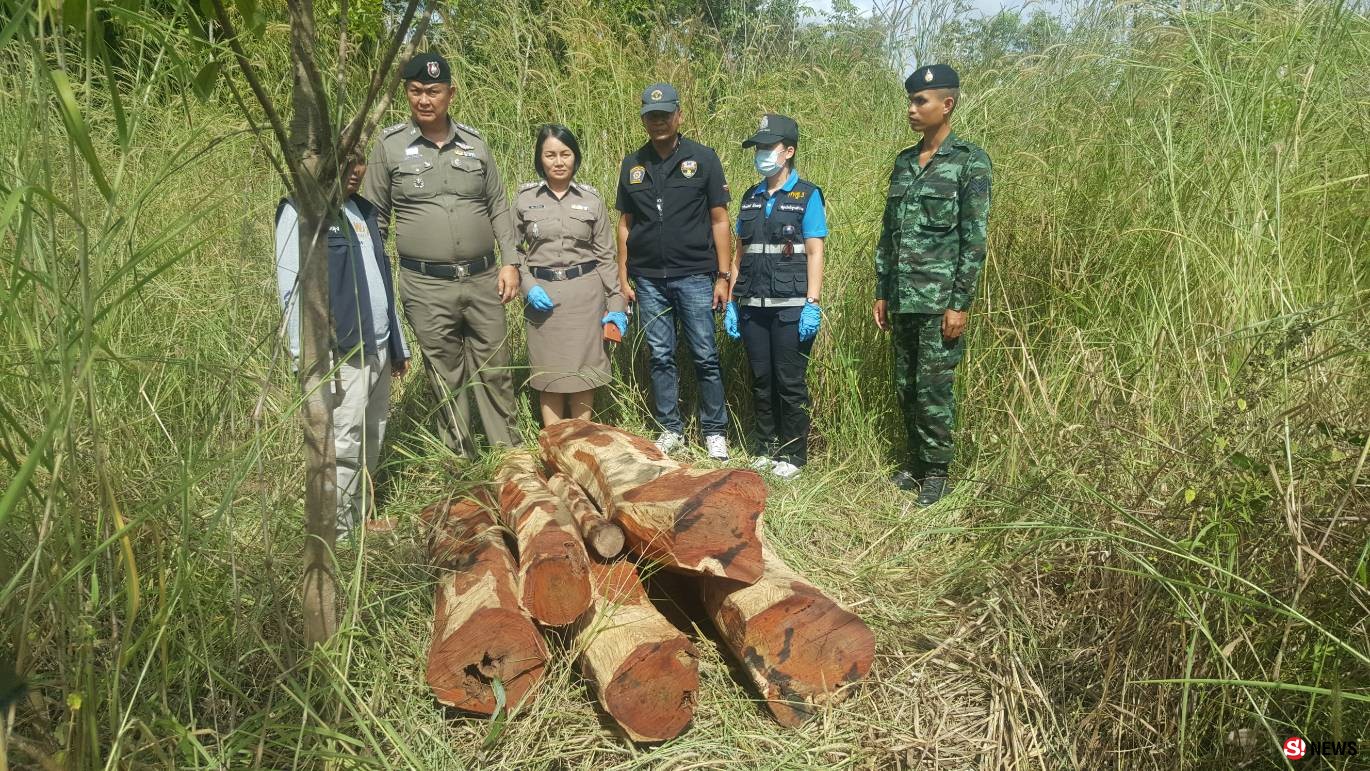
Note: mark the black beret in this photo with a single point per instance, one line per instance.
(427, 67)
(932, 76)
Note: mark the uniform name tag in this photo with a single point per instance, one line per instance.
(580, 207)
(408, 151)
(791, 207)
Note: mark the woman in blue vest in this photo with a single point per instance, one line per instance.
(777, 280)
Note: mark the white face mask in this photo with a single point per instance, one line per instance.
(768, 161)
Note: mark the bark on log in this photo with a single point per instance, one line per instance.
(602, 536)
(693, 520)
(479, 631)
(799, 646)
(554, 577)
(645, 671)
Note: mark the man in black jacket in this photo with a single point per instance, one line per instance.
(369, 346)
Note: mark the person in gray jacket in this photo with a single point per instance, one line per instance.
(370, 347)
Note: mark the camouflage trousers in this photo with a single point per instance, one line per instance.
(924, 370)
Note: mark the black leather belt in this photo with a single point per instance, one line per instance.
(449, 269)
(563, 274)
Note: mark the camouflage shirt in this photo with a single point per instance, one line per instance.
(932, 241)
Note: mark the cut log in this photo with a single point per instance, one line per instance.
(554, 577)
(456, 528)
(645, 671)
(693, 520)
(602, 536)
(800, 647)
(480, 634)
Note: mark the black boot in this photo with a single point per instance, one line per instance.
(932, 489)
(905, 480)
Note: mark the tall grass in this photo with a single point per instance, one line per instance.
(1157, 554)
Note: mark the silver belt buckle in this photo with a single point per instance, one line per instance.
(560, 273)
(463, 271)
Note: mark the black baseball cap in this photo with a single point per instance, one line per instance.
(932, 76)
(774, 128)
(427, 67)
(660, 97)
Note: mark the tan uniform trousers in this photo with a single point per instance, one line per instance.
(360, 395)
(460, 325)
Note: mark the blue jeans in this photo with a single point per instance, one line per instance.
(660, 301)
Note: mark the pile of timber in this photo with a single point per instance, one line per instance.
(556, 543)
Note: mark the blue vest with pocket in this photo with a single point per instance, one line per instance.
(774, 263)
(349, 298)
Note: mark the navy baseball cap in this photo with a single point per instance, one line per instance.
(427, 67)
(774, 128)
(660, 97)
(932, 76)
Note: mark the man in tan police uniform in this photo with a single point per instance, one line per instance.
(440, 180)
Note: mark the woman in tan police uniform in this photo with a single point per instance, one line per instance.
(569, 277)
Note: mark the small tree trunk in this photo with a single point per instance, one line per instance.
(800, 647)
(554, 579)
(692, 520)
(646, 673)
(317, 201)
(601, 536)
(480, 634)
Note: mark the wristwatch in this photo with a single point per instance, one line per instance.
(813, 300)
(728, 274)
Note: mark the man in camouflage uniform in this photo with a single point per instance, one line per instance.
(932, 246)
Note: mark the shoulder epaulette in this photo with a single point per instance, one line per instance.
(587, 187)
(906, 149)
(466, 128)
(388, 130)
(528, 186)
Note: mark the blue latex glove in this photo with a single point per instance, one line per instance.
(730, 321)
(809, 319)
(620, 320)
(537, 297)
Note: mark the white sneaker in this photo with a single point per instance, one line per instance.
(785, 469)
(718, 446)
(762, 463)
(668, 441)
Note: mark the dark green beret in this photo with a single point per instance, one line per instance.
(932, 76)
(427, 67)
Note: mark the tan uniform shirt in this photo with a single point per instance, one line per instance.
(448, 201)
(567, 232)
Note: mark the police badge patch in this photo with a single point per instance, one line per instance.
(635, 175)
(765, 123)
(689, 168)
(656, 95)
(433, 69)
